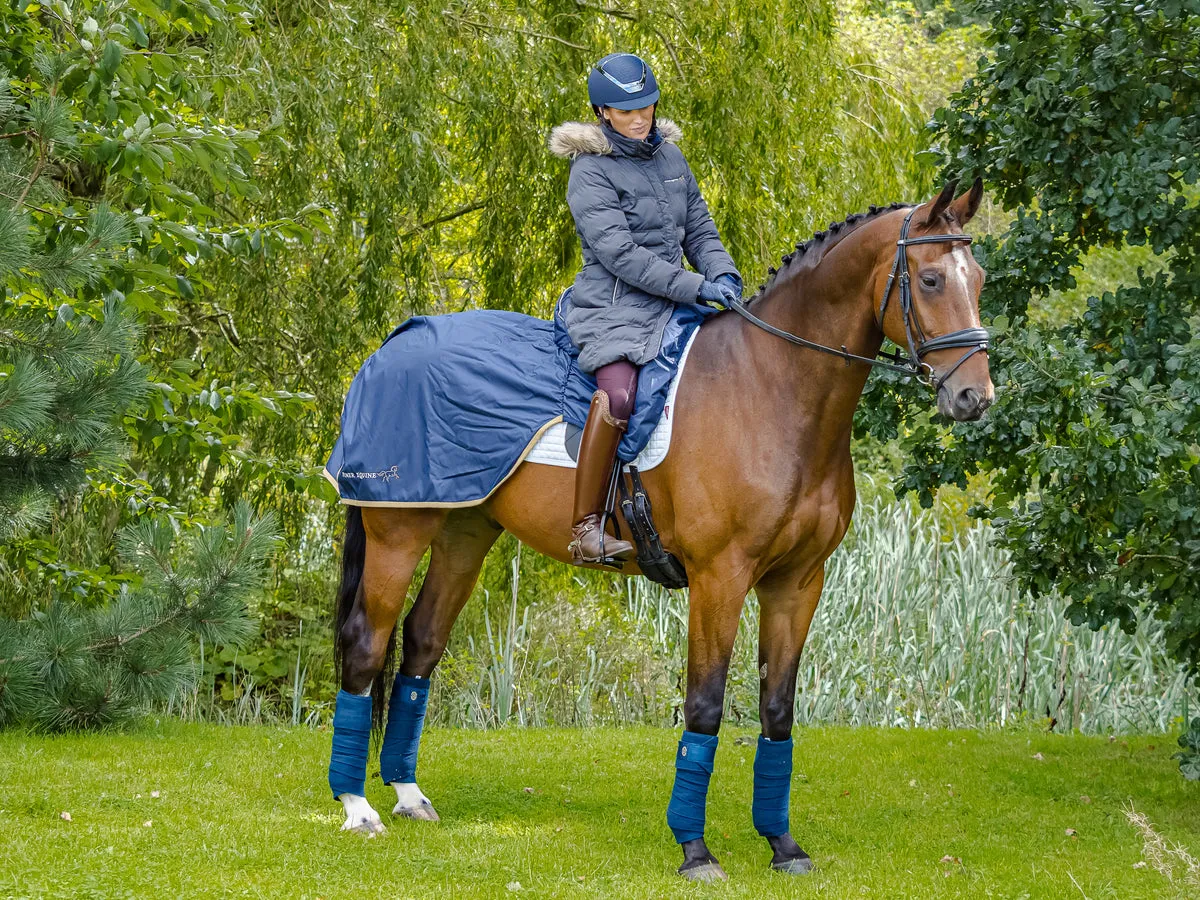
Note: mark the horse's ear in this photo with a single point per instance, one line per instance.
(941, 204)
(965, 207)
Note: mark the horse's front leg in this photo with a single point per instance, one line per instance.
(787, 602)
(716, 599)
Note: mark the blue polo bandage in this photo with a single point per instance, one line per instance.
(772, 785)
(406, 716)
(693, 769)
(351, 741)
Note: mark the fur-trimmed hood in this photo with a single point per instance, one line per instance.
(570, 139)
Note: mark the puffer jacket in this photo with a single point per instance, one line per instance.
(639, 212)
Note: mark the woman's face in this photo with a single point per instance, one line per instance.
(632, 123)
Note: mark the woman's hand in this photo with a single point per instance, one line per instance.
(733, 281)
(719, 292)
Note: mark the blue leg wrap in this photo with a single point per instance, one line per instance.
(772, 785)
(351, 740)
(693, 769)
(406, 716)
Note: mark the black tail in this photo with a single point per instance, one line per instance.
(354, 551)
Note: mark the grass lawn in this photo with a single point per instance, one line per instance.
(554, 813)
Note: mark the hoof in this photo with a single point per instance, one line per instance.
(411, 803)
(704, 872)
(699, 864)
(360, 817)
(787, 856)
(799, 866)
(422, 813)
(369, 827)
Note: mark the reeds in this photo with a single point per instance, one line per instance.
(916, 627)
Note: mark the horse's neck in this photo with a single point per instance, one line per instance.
(830, 307)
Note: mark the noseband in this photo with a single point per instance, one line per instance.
(974, 339)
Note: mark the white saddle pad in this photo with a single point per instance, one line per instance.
(551, 450)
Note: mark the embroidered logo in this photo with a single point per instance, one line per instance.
(385, 475)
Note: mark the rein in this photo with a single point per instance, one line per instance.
(974, 339)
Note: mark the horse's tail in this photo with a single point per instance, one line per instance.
(354, 551)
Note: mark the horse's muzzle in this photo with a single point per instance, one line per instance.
(965, 404)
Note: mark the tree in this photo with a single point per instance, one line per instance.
(64, 381)
(69, 667)
(109, 166)
(1082, 119)
(422, 130)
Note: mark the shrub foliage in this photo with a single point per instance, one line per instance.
(70, 667)
(1082, 119)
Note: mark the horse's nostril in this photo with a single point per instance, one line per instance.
(967, 399)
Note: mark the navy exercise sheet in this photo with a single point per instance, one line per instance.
(444, 411)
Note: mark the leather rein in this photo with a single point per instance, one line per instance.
(975, 340)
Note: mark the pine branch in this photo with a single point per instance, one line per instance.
(93, 668)
(14, 240)
(26, 396)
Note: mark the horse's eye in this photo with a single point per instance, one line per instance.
(929, 281)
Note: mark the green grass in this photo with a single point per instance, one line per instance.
(245, 812)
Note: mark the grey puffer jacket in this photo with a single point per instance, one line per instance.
(639, 212)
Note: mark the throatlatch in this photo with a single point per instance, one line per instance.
(402, 736)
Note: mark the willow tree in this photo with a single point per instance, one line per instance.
(421, 130)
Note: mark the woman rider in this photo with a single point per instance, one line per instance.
(639, 212)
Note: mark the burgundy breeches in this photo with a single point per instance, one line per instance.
(619, 380)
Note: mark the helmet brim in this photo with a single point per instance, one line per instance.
(635, 103)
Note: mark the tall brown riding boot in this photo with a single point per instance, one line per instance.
(597, 452)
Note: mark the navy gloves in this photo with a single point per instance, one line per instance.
(733, 281)
(721, 291)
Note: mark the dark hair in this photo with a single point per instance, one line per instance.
(653, 120)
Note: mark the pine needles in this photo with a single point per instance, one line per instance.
(64, 380)
(70, 668)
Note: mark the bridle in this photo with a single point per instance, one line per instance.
(974, 339)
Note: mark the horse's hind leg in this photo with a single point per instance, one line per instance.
(383, 549)
(787, 603)
(455, 560)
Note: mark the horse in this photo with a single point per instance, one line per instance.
(756, 492)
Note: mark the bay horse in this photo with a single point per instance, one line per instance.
(756, 492)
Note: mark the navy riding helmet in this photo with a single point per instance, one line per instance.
(622, 81)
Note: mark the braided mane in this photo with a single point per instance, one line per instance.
(810, 252)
